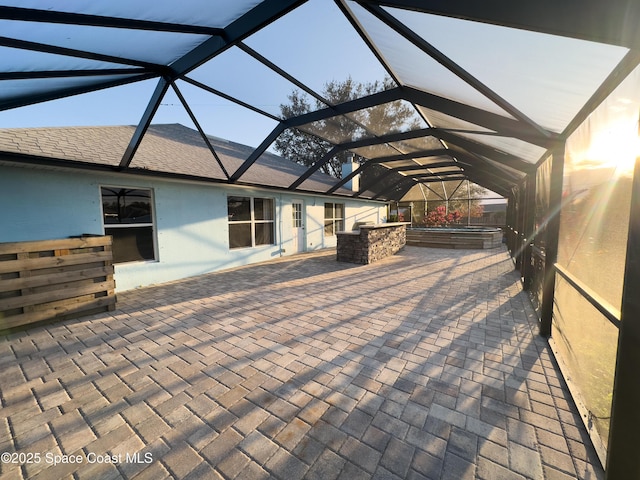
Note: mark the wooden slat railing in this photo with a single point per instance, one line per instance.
(55, 279)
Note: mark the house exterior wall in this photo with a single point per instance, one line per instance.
(192, 229)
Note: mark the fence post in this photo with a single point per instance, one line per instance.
(623, 460)
(553, 237)
(529, 225)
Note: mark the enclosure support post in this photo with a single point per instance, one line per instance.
(510, 222)
(553, 237)
(520, 215)
(529, 225)
(623, 460)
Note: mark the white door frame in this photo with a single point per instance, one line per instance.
(298, 230)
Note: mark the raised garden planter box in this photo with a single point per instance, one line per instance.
(465, 237)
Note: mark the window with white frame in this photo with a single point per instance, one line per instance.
(333, 218)
(297, 214)
(251, 221)
(128, 217)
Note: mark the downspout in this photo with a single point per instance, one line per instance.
(468, 204)
(280, 232)
(446, 197)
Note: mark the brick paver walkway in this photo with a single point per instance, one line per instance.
(425, 365)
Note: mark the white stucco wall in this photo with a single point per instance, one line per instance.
(191, 219)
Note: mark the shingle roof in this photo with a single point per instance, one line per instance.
(165, 149)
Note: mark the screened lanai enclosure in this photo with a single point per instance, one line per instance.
(537, 102)
(449, 203)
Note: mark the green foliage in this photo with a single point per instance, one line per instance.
(309, 143)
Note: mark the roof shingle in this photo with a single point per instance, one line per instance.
(166, 149)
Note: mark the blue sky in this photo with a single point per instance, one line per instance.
(546, 77)
(326, 48)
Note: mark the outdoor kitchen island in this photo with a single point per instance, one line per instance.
(370, 243)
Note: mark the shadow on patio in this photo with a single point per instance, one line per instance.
(425, 365)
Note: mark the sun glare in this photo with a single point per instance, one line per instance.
(615, 148)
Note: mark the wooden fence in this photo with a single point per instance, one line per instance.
(55, 279)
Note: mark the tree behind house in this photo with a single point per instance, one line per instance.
(309, 143)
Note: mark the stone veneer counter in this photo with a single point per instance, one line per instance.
(371, 243)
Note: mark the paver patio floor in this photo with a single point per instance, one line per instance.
(424, 365)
